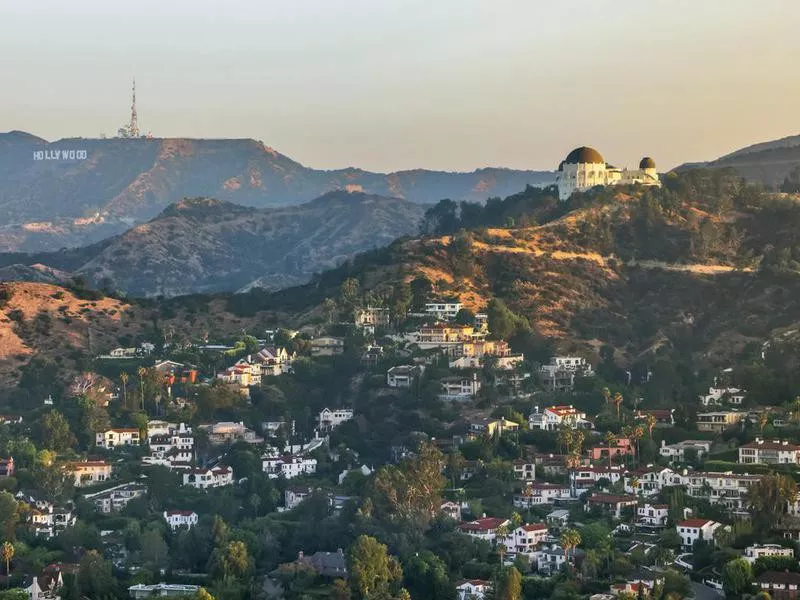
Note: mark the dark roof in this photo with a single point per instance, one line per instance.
(647, 163)
(328, 564)
(584, 154)
(784, 577)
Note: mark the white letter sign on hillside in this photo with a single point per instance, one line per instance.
(60, 155)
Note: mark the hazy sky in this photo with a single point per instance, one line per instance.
(395, 84)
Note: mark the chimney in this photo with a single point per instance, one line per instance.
(340, 551)
(300, 555)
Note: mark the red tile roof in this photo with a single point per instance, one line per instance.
(612, 499)
(484, 524)
(698, 523)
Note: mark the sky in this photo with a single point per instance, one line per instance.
(396, 84)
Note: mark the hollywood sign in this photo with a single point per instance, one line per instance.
(59, 154)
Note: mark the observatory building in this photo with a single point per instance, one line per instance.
(585, 168)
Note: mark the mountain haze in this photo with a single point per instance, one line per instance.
(52, 202)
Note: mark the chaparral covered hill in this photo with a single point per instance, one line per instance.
(202, 245)
(53, 197)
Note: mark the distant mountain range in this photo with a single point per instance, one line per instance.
(78, 191)
(205, 245)
(767, 162)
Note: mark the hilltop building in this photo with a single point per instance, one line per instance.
(585, 168)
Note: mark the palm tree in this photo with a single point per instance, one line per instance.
(607, 395)
(569, 541)
(611, 441)
(123, 377)
(638, 433)
(578, 438)
(7, 553)
(565, 437)
(635, 484)
(500, 535)
(763, 419)
(617, 402)
(651, 423)
(142, 372)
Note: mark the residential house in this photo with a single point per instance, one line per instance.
(558, 519)
(141, 591)
(371, 317)
(491, 427)
(46, 586)
(7, 466)
(332, 565)
(274, 361)
(537, 494)
(177, 519)
(89, 472)
(443, 310)
(620, 448)
(524, 469)
(49, 520)
(116, 498)
(10, 420)
(288, 467)
(756, 551)
(363, 470)
(242, 374)
(648, 481)
(274, 426)
(451, 509)
(728, 489)
(724, 395)
(117, 437)
(404, 376)
(459, 388)
(553, 464)
(780, 585)
(585, 477)
(203, 478)
(484, 528)
(293, 496)
(718, 421)
(554, 416)
(472, 589)
(560, 373)
(769, 452)
(227, 432)
(327, 346)
(677, 452)
(665, 417)
(176, 372)
(549, 559)
(372, 355)
(692, 530)
(329, 419)
(652, 515)
(171, 446)
(525, 538)
(611, 503)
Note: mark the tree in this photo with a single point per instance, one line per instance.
(231, 561)
(465, 317)
(9, 515)
(123, 379)
(570, 540)
(373, 571)
(426, 576)
(502, 322)
(611, 442)
(350, 294)
(155, 551)
(617, 400)
(769, 497)
(340, 590)
(737, 575)
(141, 372)
(651, 423)
(763, 419)
(7, 553)
(94, 576)
(509, 584)
(55, 432)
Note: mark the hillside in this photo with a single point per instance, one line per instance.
(202, 245)
(766, 162)
(76, 191)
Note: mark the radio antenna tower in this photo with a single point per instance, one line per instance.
(133, 128)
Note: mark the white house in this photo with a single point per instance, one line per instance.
(677, 452)
(549, 559)
(537, 494)
(459, 388)
(728, 489)
(650, 480)
(472, 589)
(652, 515)
(451, 509)
(769, 452)
(293, 496)
(691, 530)
(560, 373)
(141, 591)
(716, 395)
(524, 469)
(756, 551)
(117, 437)
(46, 586)
(208, 478)
(443, 310)
(403, 376)
(484, 528)
(117, 497)
(328, 419)
(525, 538)
(89, 472)
(288, 467)
(180, 518)
(554, 416)
(228, 432)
